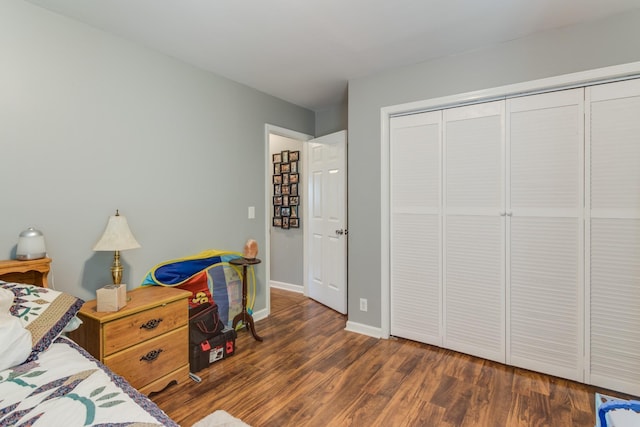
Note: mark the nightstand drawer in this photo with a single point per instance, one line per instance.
(152, 359)
(122, 333)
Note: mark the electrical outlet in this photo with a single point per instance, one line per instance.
(363, 304)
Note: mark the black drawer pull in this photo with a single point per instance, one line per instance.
(151, 356)
(151, 324)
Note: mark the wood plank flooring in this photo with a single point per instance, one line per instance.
(309, 371)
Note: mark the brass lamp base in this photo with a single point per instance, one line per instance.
(116, 269)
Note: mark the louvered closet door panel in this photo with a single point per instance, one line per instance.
(474, 309)
(613, 233)
(545, 140)
(545, 313)
(415, 146)
(474, 139)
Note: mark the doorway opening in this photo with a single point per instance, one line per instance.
(284, 247)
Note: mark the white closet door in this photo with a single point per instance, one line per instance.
(415, 146)
(545, 299)
(474, 308)
(613, 236)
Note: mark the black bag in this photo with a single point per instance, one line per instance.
(219, 347)
(204, 323)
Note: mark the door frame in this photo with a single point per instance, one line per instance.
(566, 81)
(287, 133)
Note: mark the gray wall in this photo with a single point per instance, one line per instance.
(598, 44)
(287, 246)
(90, 123)
(332, 120)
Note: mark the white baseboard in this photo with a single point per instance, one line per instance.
(287, 286)
(359, 328)
(260, 314)
(363, 329)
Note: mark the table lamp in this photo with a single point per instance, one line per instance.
(116, 237)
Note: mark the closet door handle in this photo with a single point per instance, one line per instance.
(502, 213)
(509, 213)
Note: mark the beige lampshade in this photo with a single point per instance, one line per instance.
(117, 236)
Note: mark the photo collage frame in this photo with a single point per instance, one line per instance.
(286, 192)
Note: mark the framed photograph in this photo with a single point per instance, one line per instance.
(277, 158)
(286, 212)
(294, 167)
(294, 200)
(285, 222)
(276, 168)
(293, 189)
(277, 179)
(285, 167)
(294, 212)
(294, 223)
(294, 156)
(277, 211)
(277, 222)
(285, 178)
(285, 189)
(277, 200)
(277, 189)
(285, 156)
(292, 178)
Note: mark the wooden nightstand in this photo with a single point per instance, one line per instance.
(36, 271)
(146, 342)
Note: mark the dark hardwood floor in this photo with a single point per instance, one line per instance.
(309, 371)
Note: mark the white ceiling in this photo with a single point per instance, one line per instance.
(305, 51)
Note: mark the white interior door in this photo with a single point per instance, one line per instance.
(327, 219)
(473, 225)
(545, 139)
(415, 223)
(613, 236)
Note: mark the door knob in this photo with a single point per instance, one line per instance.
(340, 232)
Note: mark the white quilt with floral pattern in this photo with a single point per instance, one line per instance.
(65, 386)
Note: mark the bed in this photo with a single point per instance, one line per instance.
(59, 383)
